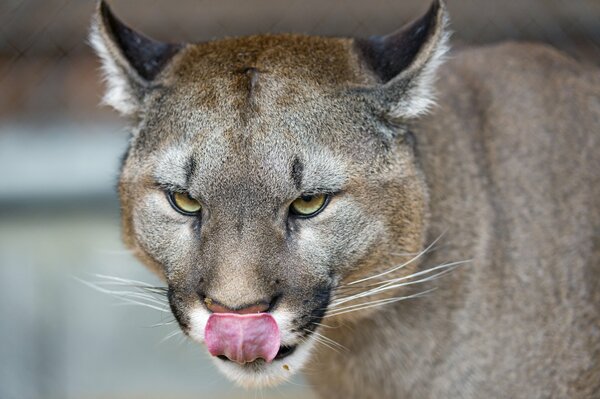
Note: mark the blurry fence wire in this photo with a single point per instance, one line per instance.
(47, 71)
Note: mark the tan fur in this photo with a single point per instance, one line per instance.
(511, 160)
(505, 172)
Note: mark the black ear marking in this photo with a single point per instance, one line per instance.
(146, 56)
(389, 55)
(405, 65)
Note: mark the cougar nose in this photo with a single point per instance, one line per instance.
(217, 307)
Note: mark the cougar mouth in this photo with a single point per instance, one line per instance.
(260, 349)
(246, 338)
(284, 351)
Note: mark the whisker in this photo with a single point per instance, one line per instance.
(171, 335)
(137, 295)
(367, 305)
(320, 340)
(148, 288)
(433, 249)
(136, 298)
(395, 283)
(128, 301)
(359, 305)
(420, 254)
(118, 281)
(156, 290)
(166, 323)
(387, 287)
(331, 341)
(322, 325)
(123, 280)
(451, 265)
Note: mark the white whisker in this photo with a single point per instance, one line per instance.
(331, 341)
(166, 323)
(358, 305)
(123, 280)
(139, 285)
(128, 301)
(136, 298)
(396, 283)
(154, 290)
(354, 308)
(451, 265)
(323, 325)
(171, 335)
(420, 254)
(136, 295)
(388, 286)
(320, 340)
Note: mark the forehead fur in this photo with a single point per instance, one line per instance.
(257, 74)
(319, 60)
(265, 90)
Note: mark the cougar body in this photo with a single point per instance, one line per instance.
(455, 252)
(511, 160)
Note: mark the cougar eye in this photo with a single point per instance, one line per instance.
(183, 203)
(309, 205)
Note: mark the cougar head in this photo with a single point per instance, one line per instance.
(267, 173)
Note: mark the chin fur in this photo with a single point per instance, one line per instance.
(261, 374)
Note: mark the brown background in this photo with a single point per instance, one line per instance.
(46, 70)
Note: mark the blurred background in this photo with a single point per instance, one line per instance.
(59, 155)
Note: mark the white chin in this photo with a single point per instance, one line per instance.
(260, 373)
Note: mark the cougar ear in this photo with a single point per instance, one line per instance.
(405, 63)
(130, 61)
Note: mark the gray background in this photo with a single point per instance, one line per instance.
(59, 155)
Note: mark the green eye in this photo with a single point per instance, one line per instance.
(183, 203)
(309, 205)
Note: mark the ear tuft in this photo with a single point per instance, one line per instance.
(130, 61)
(405, 62)
(118, 93)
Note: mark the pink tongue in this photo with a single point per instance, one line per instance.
(242, 337)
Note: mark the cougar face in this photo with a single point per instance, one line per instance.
(265, 173)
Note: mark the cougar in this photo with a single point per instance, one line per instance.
(394, 225)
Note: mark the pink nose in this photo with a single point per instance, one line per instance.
(217, 307)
